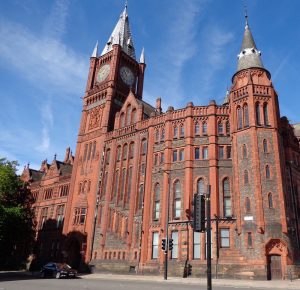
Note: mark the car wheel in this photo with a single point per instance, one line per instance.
(57, 275)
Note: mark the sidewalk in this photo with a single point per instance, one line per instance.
(276, 284)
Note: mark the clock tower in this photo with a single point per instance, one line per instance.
(113, 74)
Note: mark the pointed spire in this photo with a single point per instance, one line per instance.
(249, 55)
(142, 57)
(95, 51)
(121, 35)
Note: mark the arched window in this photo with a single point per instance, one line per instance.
(107, 156)
(266, 117)
(125, 151)
(116, 184)
(131, 150)
(181, 128)
(128, 115)
(141, 196)
(156, 202)
(245, 153)
(133, 116)
(177, 199)
(118, 153)
(268, 172)
(123, 182)
(227, 198)
(204, 128)
(270, 200)
(247, 205)
(197, 128)
(156, 135)
(246, 115)
(94, 150)
(128, 191)
(257, 114)
(246, 177)
(227, 128)
(162, 136)
(200, 186)
(144, 146)
(89, 151)
(220, 128)
(85, 152)
(122, 120)
(175, 132)
(265, 145)
(240, 118)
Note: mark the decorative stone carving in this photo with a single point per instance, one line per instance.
(95, 117)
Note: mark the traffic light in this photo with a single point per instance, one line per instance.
(163, 244)
(170, 244)
(189, 270)
(199, 212)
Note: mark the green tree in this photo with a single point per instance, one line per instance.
(16, 217)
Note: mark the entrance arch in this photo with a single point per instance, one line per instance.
(276, 255)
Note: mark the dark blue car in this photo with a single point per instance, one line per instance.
(58, 270)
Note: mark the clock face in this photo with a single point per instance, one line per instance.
(127, 75)
(103, 73)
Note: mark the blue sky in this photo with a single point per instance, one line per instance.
(191, 49)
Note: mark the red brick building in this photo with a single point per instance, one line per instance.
(133, 161)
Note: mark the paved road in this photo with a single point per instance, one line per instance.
(91, 284)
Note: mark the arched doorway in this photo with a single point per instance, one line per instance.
(74, 256)
(276, 255)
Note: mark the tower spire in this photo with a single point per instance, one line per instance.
(95, 51)
(246, 16)
(121, 35)
(249, 55)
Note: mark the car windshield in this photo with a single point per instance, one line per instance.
(63, 266)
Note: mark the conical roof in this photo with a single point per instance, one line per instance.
(249, 55)
(121, 35)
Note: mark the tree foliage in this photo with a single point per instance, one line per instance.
(16, 217)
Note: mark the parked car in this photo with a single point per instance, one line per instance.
(58, 270)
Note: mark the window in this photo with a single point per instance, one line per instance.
(181, 154)
(141, 196)
(267, 172)
(228, 149)
(156, 135)
(240, 118)
(174, 155)
(248, 205)
(175, 132)
(128, 115)
(64, 190)
(144, 147)
(156, 159)
(265, 146)
(249, 240)
(60, 215)
(224, 238)
(125, 151)
(89, 151)
(116, 184)
(128, 191)
(204, 128)
(156, 202)
(85, 152)
(205, 153)
(133, 116)
(118, 153)
(162, 137)
(174, 252)
(270, 200)
(197, 153)
(154, 245)
(227, 198)
(220, 128)
(94, 150)
(123, 182)
(181, 130)
(246, 177)
(143, 167)
(221, 152)
(122, 120)
(257, 114)
(197, 128)
(162, 158)
(200, 186)
(197, 245)
(227, 128)
(177, 200)
(131, 150)
(266, 117)
(79, 216)
(244, 151)
(246, 115)
(44, 215)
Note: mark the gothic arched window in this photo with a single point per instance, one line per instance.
(239, 118)
(270, 200)
(247, 205)
(141, 196)
(257, 114)
(116, 184)
(268, 172)
(128, 115)
(177, 199)
(133, 116)
(246, 115)
(266, 116)
(162, 136)
(265, 146)
(125, 151)
(227, 198)
(122, 120)
(245, 153)
(131, 150)
(200, 186)
(156, 209)
(156, 135)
